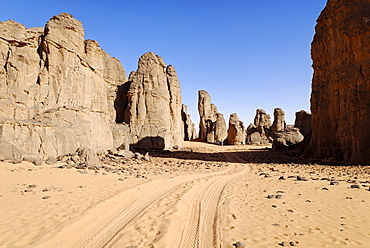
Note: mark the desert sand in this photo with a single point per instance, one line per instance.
(201, 196)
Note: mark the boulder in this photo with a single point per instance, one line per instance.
(340, 97)
(153, 110)
(286, 138)
(236, 131)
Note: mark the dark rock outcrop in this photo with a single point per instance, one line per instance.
(340, 99)
(303, 122)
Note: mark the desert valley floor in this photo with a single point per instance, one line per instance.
(200, 196)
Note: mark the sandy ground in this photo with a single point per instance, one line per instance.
(201, 196)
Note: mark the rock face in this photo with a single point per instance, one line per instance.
(209, 130)
(220, 129)
(57, 90)
(279, 121)
(259, 132)
(236, 131)
(154, 105)
(303, 122)
(340, 96)
(286, 138)
(189, 126)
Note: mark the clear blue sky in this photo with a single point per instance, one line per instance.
(247, 54)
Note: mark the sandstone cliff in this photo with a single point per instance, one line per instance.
(56, 90)
(154, 104)
(340, 96)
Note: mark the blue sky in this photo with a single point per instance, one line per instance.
(247, 54)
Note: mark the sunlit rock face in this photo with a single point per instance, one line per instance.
(279, 121)
(258, 132)
(57, 90)
(212, 125)
(236, 131)
(154, 105)
(340, 99)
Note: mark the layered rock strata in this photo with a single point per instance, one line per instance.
(212, 125)
(189, 126)
(340, 97)
(236, 131)
(57, 90)
(154, 104)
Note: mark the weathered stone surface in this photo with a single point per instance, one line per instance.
(285, 138)
(340, 96)
(259, 132)
(56, 90)
(279, 121)
(236, 131)
(209, 130)
(189, 126)
(303, 122)
(207, 115)
(89, 157)
(154, 105)
(220, 129)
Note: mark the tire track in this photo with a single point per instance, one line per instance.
(101, 223)
(206, 217)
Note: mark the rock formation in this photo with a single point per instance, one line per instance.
(236, 131)
(259, 132)
(209, 130)
(340, 96)
(303, 122)
(286, 138)
(189, 126)
(154, 104)
(279, 121)
(56, 90)
(220, 129)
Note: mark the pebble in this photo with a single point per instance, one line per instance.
(355, 186)
(325, 188)
(46, 197)
(282, 178)
(239, 245)
(334, 183)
